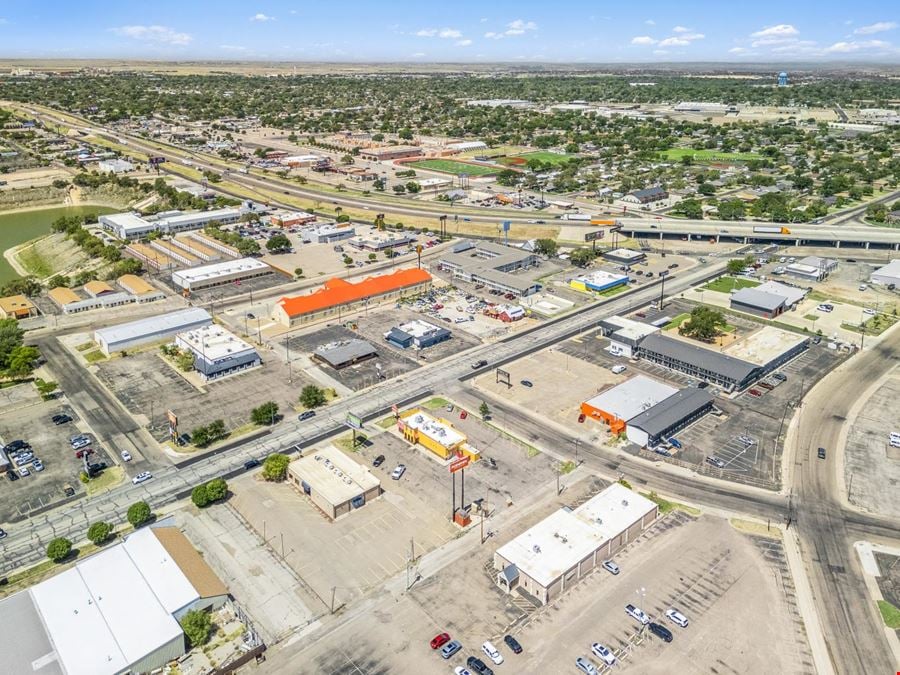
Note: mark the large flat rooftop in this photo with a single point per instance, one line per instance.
(438, 431)
(335, 476)
(214, 342)
(765, 345)
(220, 269)
(632, 397)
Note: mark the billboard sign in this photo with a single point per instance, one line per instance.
(353, 421)
(459, 464)
(594, 235)
(506, 225)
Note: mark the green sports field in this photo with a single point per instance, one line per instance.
(709, 155)
(452, 166)
(548, 157)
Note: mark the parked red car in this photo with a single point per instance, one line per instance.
(581, 418)
(439, 641)
(84, 451)
(755, 393)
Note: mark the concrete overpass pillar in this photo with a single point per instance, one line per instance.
(867, 245)
(746, 240)
(689, 236)
(718, 238)
(797, 242)
(837, 243)
(660, 236)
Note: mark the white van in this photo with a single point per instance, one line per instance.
(492, 653)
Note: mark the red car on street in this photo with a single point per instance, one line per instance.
(439, 641)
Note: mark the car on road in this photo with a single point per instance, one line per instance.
(675, 443)
(141, 477)
(440, 640)
(61, 418)
(869, 311)
(821, 453)
(37, 464)
(23, 457)
(251, 464)
(450, 649)
(126, 456)
(306, 415)
(479, 364)
(585, 666)
(676, 617)
(183, 439)
(603, 653)
(755, 393)
(746, 440)
(378, 460)
(527, 383)
(2, 533)
(781, 377)
(492, 652)
(81, 443)
(715, 461)
(637, 614)
(68, 491)
(581, 418)
(23, 471)
(478, 666)
(513, 644)
(610, 567)
(660, 631)
(398, 472)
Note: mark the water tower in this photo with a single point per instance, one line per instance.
(782, 79)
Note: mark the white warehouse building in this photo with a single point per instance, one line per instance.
(152, 329)
(219, 273)
(130, 226)
(114, 612)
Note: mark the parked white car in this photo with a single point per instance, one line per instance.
(492, 652)
(126, 456)
(603, 653)
(677, 617)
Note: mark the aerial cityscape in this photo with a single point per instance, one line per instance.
(473, 339)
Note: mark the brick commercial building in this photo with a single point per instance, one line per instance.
(547, 559)
(339, 296)
(390, 152)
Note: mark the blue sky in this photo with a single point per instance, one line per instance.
(459, 30)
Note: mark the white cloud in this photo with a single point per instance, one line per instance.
(681, 29)
(850, 47)
(450, 33)
(463, 43)
(262, 18)
(660, 51)
(692, 36)
(418, 55)
(517, 27)
(162, 34)
(782, 30)
(643, 40)
(232, 48)
(674, 42)
(737, 50)
(650, 22)
(427, 32)
(879, 27)
(445, 33)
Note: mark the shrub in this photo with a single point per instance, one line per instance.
(216, 489)
(197, 626)
(139, 513)
(59, 549)
(100, 532)
(200, 496)
(275, 467)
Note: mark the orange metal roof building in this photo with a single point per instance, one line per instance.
(337, 291)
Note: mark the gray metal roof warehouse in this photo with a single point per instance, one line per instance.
(697, 361)
(344, 353)
(753, 298)
(671, 412)
(152, 328)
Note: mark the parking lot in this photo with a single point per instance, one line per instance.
(147, 386)
(26, 417)
(871, 465)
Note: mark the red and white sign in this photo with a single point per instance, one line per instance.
(395, 409)
(459, 464)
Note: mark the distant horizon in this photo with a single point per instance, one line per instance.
(404, 31)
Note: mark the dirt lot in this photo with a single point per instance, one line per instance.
(146, 385)
(673, 562)
(24, 416)
(871, 465)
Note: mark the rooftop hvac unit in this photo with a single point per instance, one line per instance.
(348, 481)
(318, 458)
(599, 521)
(536, 548)
(624, 502)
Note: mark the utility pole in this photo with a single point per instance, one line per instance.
(662, 287)
(557, 479)
(333, 589)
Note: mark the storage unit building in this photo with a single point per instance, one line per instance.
(334, 482)
(150, 330)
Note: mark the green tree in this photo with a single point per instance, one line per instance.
(267, 413)
(217, 489)
(705, 324)
(735, 265)
(484, 410)
(45, 388)
(200, 496)
(413, 187)
(216, 430)
(690, 208)
(22, 361)
(200, 437)
(580, 257)
(197, 626)
(732, 209)
(99, 532)
(139, 513)
(58, 280)
(298, 272)
(275, 467)
(59, 549)
(278, 243)
(547, 247)
(312, 396)
(706, 189)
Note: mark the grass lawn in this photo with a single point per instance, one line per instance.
(453, 167)
(548, 157)
(890, 614)
(677, 321)
(35, 263)
(615, 290)
(874, 326)
(709, 155)
(345, 443)
(435, 403)
(812, 317)
(728, 284)
(110, 477)
(665, 506)
(94, 356)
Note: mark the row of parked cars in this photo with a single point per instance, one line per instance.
(474, 665)
(606, 656)
(21, 454)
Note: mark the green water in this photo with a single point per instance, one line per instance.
(17, 228)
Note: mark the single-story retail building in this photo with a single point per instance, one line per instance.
(624, 256)
(152, 329)
(417, 333)
(811, 268)
(337, 296)
(217, 351)
(669, 416)
(435, 434)
(113, 612)
(887, 274)
(625, 334)
(334, 482)
(545, 560)
(757, 302)
(344, 353)
(16, 307)
(620, 403)
(598, 281)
